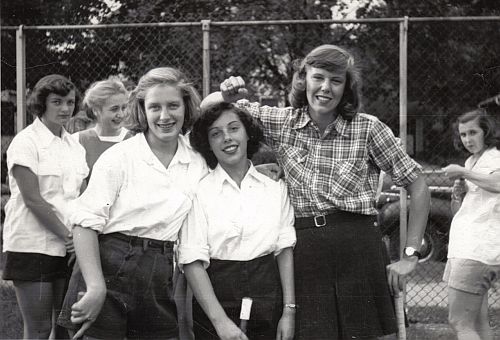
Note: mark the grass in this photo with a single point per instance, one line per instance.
(11, 324)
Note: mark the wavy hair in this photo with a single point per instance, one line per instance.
(97, 94)
(54, 83)
(333, 59)
(485, 122)
(137, 121)
(199, 135)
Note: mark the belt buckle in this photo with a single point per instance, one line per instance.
(320, 221)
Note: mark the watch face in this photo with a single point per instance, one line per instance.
(409, 251)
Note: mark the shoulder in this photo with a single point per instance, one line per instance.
(24, 139)
(127, 149)
(492, 155)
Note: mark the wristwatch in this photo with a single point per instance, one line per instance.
(410, 251)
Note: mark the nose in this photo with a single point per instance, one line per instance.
(164, 113)
(226, 135)
(120, 113)
(65, 107)
(325, 85)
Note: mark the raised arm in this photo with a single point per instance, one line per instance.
(231, 90)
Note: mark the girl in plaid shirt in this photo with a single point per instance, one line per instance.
(332, 155)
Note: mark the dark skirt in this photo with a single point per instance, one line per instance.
(233, 280)
(340, 280)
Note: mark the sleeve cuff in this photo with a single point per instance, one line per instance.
(189, 254)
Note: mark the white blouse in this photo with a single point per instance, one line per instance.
(231, 223)
(475, 229)
(131, 192)
(60, 167)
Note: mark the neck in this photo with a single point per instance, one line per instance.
(237, 171)
(161, 148)
(56, 129)
(323, 120)
(107, 131)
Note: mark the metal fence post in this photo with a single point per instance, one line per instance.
(205, 26)
(403, 104)
(20, 79)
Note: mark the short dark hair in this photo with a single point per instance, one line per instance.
(199, 134)
(485, 122)
(330, 58)
(54, 83)
(137, 121)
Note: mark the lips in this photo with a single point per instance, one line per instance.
(166, 125)
(323, 99)
(230, 149)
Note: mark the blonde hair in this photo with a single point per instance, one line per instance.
(97, 94)
(162, 76)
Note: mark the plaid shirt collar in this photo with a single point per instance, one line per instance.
(303, 119)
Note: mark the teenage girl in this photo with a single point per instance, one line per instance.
(237, 239)
(46, 168)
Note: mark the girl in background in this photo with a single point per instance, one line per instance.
(237, 239)
(46, 170)
(473, 265)
(130, 214)
(107, 101)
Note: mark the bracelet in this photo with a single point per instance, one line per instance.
(290, 305)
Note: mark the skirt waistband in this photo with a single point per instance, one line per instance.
(330, 219)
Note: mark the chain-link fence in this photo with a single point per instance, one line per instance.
(452, 65)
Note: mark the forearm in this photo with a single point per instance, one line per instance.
(419, 212)
(45, 212)
(203, 291)
(212, 99)
(489, 182)
(89, 260)
(285, 266)
(455, 205)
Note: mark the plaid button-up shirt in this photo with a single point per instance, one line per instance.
(336, 170)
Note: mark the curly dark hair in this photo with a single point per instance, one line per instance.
(54, 83)
(199, 134)
(486, 123)
(331, 58)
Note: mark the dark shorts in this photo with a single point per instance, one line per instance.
(233, 280)
(340, 280)
(139, 301)
(34, 267)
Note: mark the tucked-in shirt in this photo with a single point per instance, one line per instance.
(131, 192)
(228, 222)
(475, 228)
(336, 170)
(60, 167)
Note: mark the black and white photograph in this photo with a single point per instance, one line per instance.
(250, 169)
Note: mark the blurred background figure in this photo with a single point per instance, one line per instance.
(473, 265)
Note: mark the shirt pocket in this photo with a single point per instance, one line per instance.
(294, 161)
(49, 178)
(347, 177)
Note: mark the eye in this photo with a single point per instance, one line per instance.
(153, 107)
(214, 134)
(173, 106)
(234, 128)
